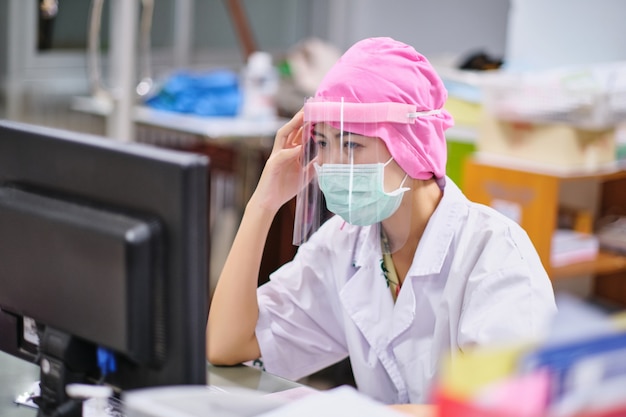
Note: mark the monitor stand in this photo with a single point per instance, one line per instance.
(63, 360)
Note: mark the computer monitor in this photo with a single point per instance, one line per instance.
(103, 260)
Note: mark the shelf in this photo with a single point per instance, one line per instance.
(610, 171)
(207, 126)
(605, 263)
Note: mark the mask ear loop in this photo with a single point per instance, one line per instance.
(403, 179)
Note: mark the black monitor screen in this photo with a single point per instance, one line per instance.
(103, 259)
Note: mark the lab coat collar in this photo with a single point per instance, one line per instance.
(368, 242)
(433, 246)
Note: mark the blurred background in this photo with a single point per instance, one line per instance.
(43, 59)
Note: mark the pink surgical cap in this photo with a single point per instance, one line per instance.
(377, 70)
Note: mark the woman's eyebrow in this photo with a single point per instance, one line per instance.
(315, 132)
(338, 135)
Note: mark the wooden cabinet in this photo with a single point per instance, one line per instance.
(534, 198)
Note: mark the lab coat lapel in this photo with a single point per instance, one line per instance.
(404, 311)
(367, 300)
(365, 295)
(428, 259)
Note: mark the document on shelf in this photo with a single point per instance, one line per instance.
(569, 246)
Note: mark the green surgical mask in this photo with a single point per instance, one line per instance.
(356, 192)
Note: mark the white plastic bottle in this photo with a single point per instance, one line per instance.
(259, 86)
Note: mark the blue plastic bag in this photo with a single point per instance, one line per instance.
(214, 93)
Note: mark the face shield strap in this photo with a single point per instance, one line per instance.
(425, 113)
(344, 112)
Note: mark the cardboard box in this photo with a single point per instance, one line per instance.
(558, 146)
(464, 112)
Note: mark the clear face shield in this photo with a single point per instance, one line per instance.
(349, 172)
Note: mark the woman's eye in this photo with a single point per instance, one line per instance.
(320, 143)
(351, 145)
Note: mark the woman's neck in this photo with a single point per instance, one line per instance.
(405, 228)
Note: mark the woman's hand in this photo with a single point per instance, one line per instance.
(282, 174)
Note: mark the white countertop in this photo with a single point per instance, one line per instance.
(217, 127)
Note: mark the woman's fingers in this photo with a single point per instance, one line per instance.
(285, 161)
(294, 138)
(280, 179)
(288, 131)
(281, 176)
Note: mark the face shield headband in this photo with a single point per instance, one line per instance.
(344, 112)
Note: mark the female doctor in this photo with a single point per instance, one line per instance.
(406, 271)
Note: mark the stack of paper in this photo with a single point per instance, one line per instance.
(569, 246)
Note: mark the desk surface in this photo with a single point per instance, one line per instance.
(17, 376)
(211, 127)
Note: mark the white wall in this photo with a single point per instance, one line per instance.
(539, 32)
(433, 27)
(550, 33)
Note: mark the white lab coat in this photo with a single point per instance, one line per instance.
(475, 279)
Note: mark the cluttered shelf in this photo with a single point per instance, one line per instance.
(534, 198)
(604, 263)
(609, 171)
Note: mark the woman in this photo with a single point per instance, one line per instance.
(407, 271)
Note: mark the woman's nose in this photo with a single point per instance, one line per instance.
(334, 155)
(330, 158)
